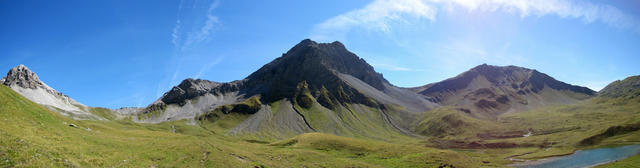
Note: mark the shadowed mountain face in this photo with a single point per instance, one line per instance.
(315, 68)
(486, 91)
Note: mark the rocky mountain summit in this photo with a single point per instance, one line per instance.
(486, 91)
(188, 89)
(27, 83)
(317, 63)
(21, 76)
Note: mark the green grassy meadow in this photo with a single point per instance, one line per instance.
(33, 136)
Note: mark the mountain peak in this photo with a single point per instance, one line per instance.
(22, 77)
(507, 74)
(494, 90)
(337, 44)
(486, 69)
(311, 43)
(306, 42)
(306, 46)
(315, 63)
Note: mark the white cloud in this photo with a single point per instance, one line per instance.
(461, 51)
(379, 14)
(375, 16)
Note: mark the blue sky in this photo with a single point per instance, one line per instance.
(128, 53)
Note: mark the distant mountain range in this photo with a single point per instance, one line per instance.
(323, 87)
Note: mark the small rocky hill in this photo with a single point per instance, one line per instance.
(627, 88)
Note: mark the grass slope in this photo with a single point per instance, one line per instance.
(630, 162)
(551, 131)
(561, 130)
(32, 136)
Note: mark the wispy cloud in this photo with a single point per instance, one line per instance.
(378, 15)
(193, 28)
(208, 66)
(175, 37)
(204, 33)
(187, 39)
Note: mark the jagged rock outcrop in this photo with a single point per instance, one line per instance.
(486, 91)
(21, 76)
(27, 83)
(188, 89)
